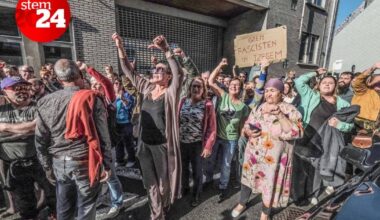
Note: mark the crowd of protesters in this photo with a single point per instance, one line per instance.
(64, 131)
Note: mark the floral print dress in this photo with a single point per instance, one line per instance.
(267, 166)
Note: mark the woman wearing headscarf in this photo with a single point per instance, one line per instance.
(271, 129)
(158, 147)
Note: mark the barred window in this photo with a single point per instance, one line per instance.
(138, 28)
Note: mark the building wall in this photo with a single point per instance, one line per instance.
(281, 13)
(94, 22)
(358, 43)
(315, 20)
(247, 22)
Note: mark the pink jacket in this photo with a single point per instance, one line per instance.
(209, 124)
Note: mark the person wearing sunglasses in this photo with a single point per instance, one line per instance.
(158, 150)
(17, 126)
(197, 123)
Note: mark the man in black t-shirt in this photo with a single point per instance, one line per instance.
(17, 148)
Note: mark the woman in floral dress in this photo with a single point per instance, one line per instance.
(271, 129)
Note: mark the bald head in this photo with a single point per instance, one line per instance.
(67, 70)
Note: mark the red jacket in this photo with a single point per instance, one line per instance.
(80, 123)
(209, 124)
(109, 92)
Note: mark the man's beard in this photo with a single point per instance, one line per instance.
(342, 87)
(22, 97)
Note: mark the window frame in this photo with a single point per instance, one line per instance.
(11, 38)
(306, 52)
(63, 44)
(315, 2)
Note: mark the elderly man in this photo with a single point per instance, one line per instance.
(17, 125)
(72, 146)
(26, 72)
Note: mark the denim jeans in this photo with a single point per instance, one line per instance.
(227, 149)
(74, 191)
(114, 186)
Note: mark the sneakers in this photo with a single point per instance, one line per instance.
(314, 201)
(195, 201)
(329, 190)
(237, 210)
(112, 213)
(131, 164)
(222, 195)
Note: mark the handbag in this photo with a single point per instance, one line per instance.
(362, 139)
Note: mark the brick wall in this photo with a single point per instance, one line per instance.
(94, 22)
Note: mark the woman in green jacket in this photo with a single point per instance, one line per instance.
(316, 107)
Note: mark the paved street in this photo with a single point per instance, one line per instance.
(209, 209)
(137, 208)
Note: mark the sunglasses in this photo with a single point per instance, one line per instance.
(196, 86)
(18, 88)
(159, 70)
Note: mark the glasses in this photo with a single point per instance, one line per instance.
(28, 71)
(159, 70)
(18, 88)
(197, 86)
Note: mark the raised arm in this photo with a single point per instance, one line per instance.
(104, 81)
(234, 71)
(359, 83)
(212, 80)
(140, 83)
(302, 82)
(259, 90)
(187, 63)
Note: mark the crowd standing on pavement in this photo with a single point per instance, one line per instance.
(65, 130)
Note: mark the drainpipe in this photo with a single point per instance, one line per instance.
(303, 15)
(331, 33)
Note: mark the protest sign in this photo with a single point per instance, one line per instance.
(250, 48)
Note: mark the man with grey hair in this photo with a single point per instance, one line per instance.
(69, 158)
(26, 72)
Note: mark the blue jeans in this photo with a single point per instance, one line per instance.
(227, 149)
(74, 191)
(114, 186)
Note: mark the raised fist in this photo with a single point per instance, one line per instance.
(160, 43)
(321, 71)
(223, 63)
(179, 52)
(118, 40)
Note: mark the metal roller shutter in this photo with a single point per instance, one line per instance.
(138, 28)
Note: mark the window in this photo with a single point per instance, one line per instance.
(10, 39)
(293, 5)
(320, 3)
(309, 48)
(11, 53)
(60, 48)
(137, 27)
(8, 22)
